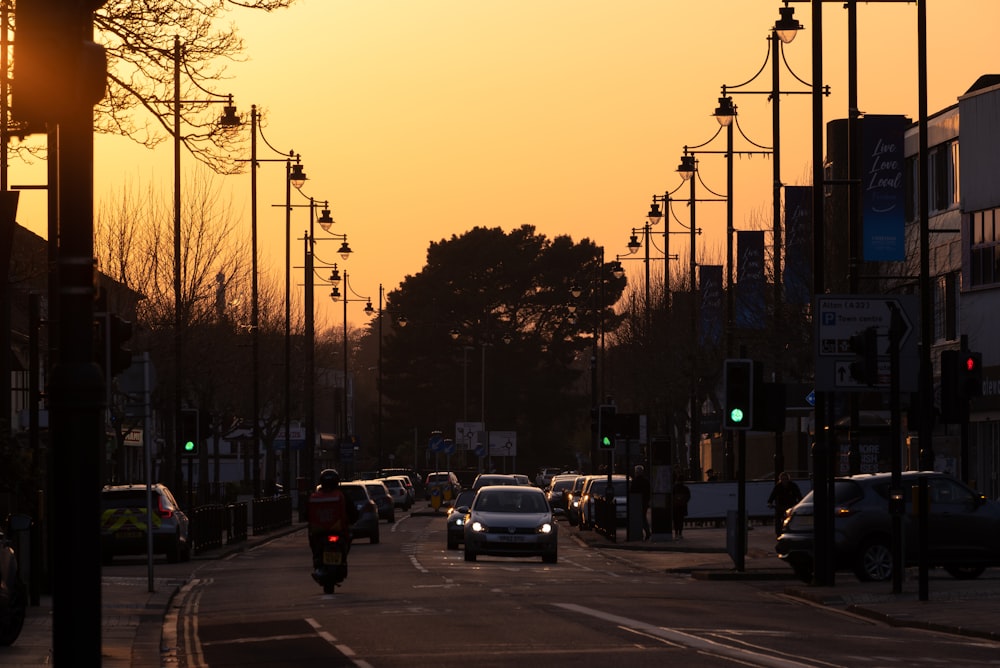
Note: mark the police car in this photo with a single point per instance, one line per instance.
(124, 523)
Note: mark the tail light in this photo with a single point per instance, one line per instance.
(162, 510)
(333, 538)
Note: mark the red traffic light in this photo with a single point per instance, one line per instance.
(970, 363)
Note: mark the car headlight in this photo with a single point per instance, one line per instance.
(545, 528)
(460, 522)
(478, 527)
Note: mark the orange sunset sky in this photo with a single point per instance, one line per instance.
(420, 119)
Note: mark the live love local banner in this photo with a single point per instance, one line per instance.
(882, 188)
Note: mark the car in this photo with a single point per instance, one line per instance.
(963, 534)
(411, 491)
(559, 487)
(455, 522)
(545, 475)
(573, 500)
(521, 479)
(416, 480)
(596, 487)
(383, 500)
(366, 525)
(484, 479)
(443, 483)
(124, 524)
(397, 490)
(511, 521)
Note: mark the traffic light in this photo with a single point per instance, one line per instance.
(961, 380)
(970, 368)
(58, 69)
(606, 426)
(740, 377)
(119, 332)
(189, 436)
(864, 368)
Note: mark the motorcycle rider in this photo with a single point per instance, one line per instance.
(330, 512)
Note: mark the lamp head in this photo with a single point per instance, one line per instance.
(687, 167)
(633, 244)
(576, 291)
(454, 334)
(654, 214)
(787, 26)
(617, 270)
(325, 220)
(297, 176)
(571, 307)
(335, 293)
(725, 112)
(402, 321)
(230, 119)
(369, 309)
(345, 250)
(335, 276)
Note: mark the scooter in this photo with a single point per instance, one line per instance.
(332, 570)
(13, 595)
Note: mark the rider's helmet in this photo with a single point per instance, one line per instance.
(329, 480)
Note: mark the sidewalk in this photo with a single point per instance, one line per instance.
(132, 616)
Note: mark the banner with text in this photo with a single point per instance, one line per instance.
(883, 198)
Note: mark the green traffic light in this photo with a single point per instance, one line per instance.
(736, 415)
(189, 446)
(606, 442)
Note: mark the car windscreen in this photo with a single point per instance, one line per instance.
(126, 499)
(511, 503)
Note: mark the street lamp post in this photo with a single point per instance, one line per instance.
(346, 297)
(229, 120)
(687, 171)
(401, 321)
(254, 298)
(325, 221)
(597, 347)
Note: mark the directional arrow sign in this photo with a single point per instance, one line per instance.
(839, 317)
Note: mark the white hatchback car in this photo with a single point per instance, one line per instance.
(511, 521)
(397, 490)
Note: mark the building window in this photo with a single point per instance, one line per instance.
(942, 175)
(946, 307)
(984, 248)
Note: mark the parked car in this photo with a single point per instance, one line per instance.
(963, 527)
(13, 591)
(444, 483)
(416, 480)
(398, 492)
(596, 487)
(511, 521)
(455, 522)
(383, 500)
(367, 524)
(124, 523)
(411, 491)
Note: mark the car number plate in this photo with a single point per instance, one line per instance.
(510, 538)
(332, 558)
(128, 534)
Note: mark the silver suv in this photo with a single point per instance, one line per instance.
(963, 527)
(124, 523)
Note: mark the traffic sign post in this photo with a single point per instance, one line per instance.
(841, 319)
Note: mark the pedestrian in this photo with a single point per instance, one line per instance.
(679, 504)
(640, 485)
(784, 495)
